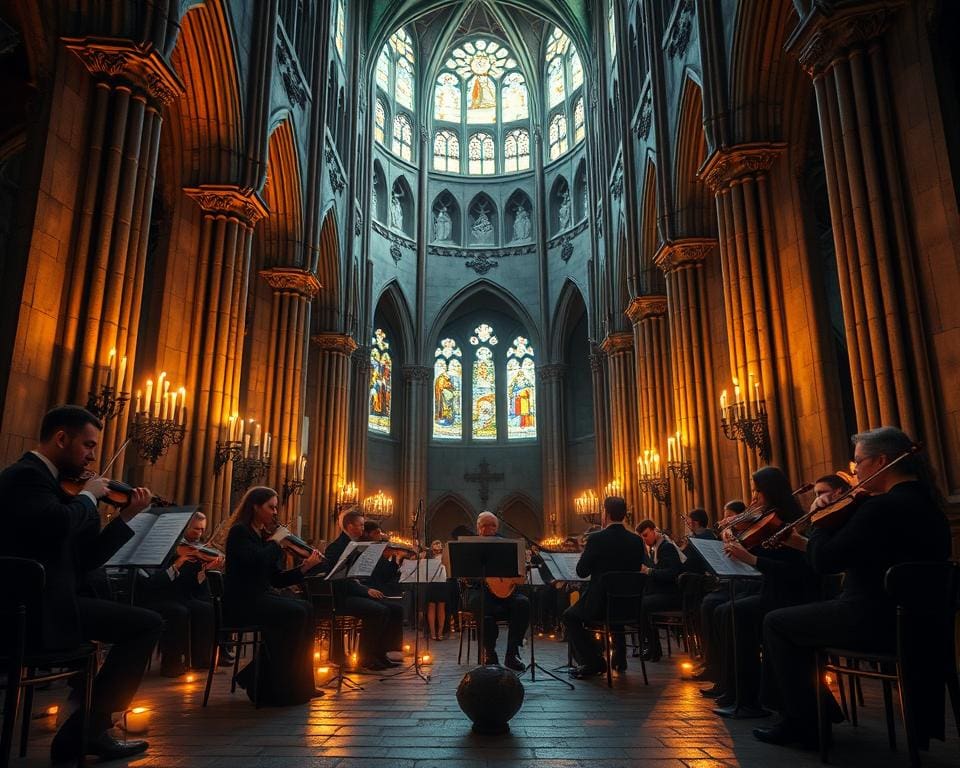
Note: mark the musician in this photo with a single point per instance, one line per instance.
(515, 609)
(902, 521)
(697, 524)
(437, 594)
(661, 565)
(365, 602)
(386, 573)
(62, 532)
(614, 548)
(253, 569)
(180, 594)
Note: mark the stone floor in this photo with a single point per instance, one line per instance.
(404, 723)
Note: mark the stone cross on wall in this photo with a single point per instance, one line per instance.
(483, 477)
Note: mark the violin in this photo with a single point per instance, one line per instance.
(118, 493)
(290, 541)
(199, 553)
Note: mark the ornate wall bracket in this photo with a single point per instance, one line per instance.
(220, 199)
(730, 163)
(293, 280)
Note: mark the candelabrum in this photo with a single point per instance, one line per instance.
(226, 450)
(379, 506)
(292, 487)
(683, 471)
(247, 470)
(154, 436)
(108, 403)
(746, 419)
(657, 485)
(347, 496)
(588, 507)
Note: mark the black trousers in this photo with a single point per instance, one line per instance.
(740, 659)
(377, 617)
(515, 610)
(587, 650)
(652, 604)
(188, 631)
(709, 635)
(132, 632)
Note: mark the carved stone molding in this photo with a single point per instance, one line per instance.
(416, 372)
(395, 253)
(338, 181)
(683, 254)
(618, 343)
(566, 237)
(680, 31)
(644, 307)
(828, 33)
(335, 342)
(292, 279)
(393, 237)
(552, 371)
(293, 80)
(141, 66)
(646, 115)
(357, 222)
(596, 362)
(730, 163)
(221, 199)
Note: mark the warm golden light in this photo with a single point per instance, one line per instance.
(828, 679)
(323, 670)
(136, 720)
(316, 655)
(686, 666)
(190, 678)
(425, 658)
(378, 506)
(406, 647)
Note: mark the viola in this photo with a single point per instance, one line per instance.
(197, 552)
(290, 541)
(118, 493)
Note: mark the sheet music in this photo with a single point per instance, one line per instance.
(521, 550)
(339, 569)
(429, 572)
(563, 565)
(363, 566)
(155, 533)
(719, 562)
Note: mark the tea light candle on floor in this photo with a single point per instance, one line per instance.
(136, 720)
(49, 718)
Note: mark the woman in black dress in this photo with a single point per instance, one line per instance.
(252, 573)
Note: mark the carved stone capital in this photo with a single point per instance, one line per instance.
(728, 164)
(831, 29)
(684, 254)
(416, 372)
(291, 279)
(221, 199)
(552, 371)
(644, 307)
(335, 342)
(618, 343)
(140, 65)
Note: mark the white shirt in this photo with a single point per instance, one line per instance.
(56, 475)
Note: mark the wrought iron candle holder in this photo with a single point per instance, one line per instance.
(657, 485)
(246, 471)
(588, 508)
(226, 450)
(292, 487)
(749, 426)
(107, 404)
(153, 437)
(683, 471)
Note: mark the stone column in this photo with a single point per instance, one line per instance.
(655, 422)
(692, 366)
(623, 415)
(215, 353)
(415, 434)
(293, 291)
(843, 51)
(600, 410)
(108, 254)
(359, 414)
(756, 333)
(328, 432)
(553, 445)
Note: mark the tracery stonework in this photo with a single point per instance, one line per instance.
(222, 199)
(726, 165)
(335, 342)
(643, 307)
(142, 66)
(683, 254)
(299, 281)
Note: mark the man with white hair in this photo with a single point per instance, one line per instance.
(515, 609)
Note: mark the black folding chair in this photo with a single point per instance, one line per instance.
(623, 598)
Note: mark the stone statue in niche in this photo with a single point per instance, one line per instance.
(564, 211)
(482, 227)
(442, 225)
(521, 225)
(586, 201)
(374, 203)
(396, 210)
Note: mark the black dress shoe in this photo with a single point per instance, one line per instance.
(702, 676)
(387, 664)
(512, 661)
(743, 712)
(787, 732)
(725, 700)
(104, 746)
(714, 691)
(586, 670)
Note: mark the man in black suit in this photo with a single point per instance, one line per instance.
(63, 533)
(661, 565)
(615, 548)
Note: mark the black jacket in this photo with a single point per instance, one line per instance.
(662, 579)
(253, 568)
(342, 587)
(63, 533)
(613, 549)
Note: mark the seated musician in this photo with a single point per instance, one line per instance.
(62, 532)
(614, 548)
(697, 524)
(901, 521)
(365, 602)
(254, 555)
(661, 565)
(386, 578)
(515, 609)
(180, 594)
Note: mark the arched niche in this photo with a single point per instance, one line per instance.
(446, 225)
(518, 227)
(581, 200)
(378, 193)
(400, 215)
(449, 512)
(481, 226)
(561, 206)
(519, 513)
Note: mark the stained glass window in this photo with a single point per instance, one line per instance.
(446, 98)
(576, 70)
(402, 136)
(446, 152)
(381, 386)
(578, 127)
(612, 29)
(404, 86)
(521, 391)
(558, 44)
(447, 392)
(481, 154)
(514, 97)
(558, 136)
(484, 384)
(383, 70)
(516, 150)
(556, 89)
(380, 123)
(340, 34)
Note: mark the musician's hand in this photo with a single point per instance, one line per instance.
(735, 550)
(96, 485)
(645, 569)
(795, 541)
(727, 535)
(139, 501)
(180, 562)
(280, 534)
(311, 562)
(819, 503)
(376, 594)
(216, 565)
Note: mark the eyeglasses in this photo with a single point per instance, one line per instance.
(858, 461)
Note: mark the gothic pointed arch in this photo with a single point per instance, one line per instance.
(393, 306)
(282, 231)
(523, 511)
(650, 276)
(328, 273)
(581, 192)
(401, 206)
(446, 223)
(379, 198)
(482, 224)
(561, 205)
(449, 511)
(695, 210)
(570, 307)
(518, 219)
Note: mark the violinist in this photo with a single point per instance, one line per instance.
(180, 594)
(902, 520)
(62, 531)
(386, 578)
(661, 565)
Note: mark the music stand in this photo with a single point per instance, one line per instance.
(480, 558)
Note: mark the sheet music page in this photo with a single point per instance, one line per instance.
(428, 571)
(337, 570)
(563, 565)
(363, 566)
(720, 563)
(154, 537)
(140, 524)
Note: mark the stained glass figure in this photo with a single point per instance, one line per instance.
(558, 136)
(404, 83)
(579, 131)
(521, 391)
(481, 63)
(514, 97)
(381, 386)
(446, 98)
(402, 137)
(481, 154)
(484, 423)
(383, 70)
(516, 150)
(380, 123)
(340, 34)
(447, 392)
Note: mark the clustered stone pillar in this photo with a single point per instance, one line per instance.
(623, 414)
(415, 435)
(600, 410)
(359, 417)
(651, 345)
(739, 177)
(293, 291)
(692, 367)
(889, 360)
(215, 350)
(328, 449)
(553, 442)
(109, 251)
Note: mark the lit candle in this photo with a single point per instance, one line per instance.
(111, 359)
(160, 391)
(123, 374)
(246, 446)
(256, 435)
(136, 720)
(671, 449)
(183, 404)
(50, 719)
(679, 447)
(149, 395)
(723, 405)
(165, 411)
(267, 446)
(756, 392)
(137, 409)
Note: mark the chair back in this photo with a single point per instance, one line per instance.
(927, 596)
(623, 595)
(215, 584)
(320, 592)
(20, 602)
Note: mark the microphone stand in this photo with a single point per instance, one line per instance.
(533, 666)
